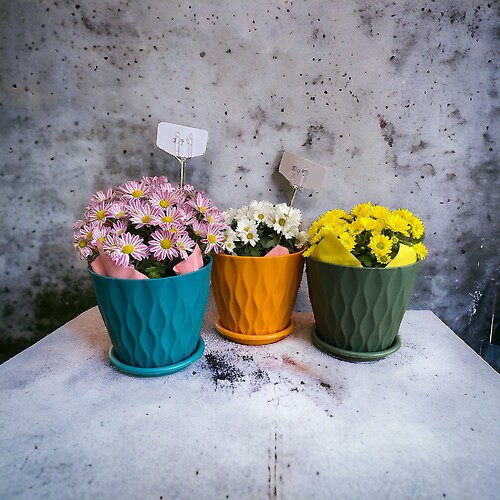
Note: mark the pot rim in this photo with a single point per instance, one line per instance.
(245, 257)
(364, 268)
(208, 264)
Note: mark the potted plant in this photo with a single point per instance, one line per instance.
(256, 278)
(149, 244)
(361, 268)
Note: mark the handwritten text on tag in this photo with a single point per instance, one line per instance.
(181, 141)
(301, 173)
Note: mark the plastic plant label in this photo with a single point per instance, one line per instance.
(301, 173)
(181, 141)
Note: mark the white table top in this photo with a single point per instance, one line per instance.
(251, 422)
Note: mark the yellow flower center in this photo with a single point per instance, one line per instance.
(166, 244)
(146, 219)
(164, 203)
(128, 249)
(82, 243)
(101, 214)
(137, 193)
(212, 239)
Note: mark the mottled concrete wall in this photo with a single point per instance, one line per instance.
(399, 99)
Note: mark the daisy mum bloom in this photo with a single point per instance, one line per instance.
(149, 224)
(163, 245)
(213, 237)
(373, 234)
(262, 210)
(133, 190)
(143, 214)
(127, 246)
(258, 227)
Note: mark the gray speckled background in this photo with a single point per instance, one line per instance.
(399, 99)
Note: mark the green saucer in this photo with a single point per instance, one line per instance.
(353, 355)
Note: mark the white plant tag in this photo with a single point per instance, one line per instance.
(181, 141)
(301, 173)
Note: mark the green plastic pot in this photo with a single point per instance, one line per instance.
(358, 311)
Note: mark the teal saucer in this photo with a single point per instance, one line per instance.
(157, 371)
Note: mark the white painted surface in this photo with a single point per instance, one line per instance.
(279, 421)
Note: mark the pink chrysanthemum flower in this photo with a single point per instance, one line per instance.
(162, 245)
(143, 214)
(160, 182)
(164, 198)
(184, 244)
(129, 245)
(199, 228)
(101, 196)
(170, 220)
(111, 243)
(169, 217)
(78, 224)
(200, 203)
(133, 190)
(213, 216)
(213, 238)
(98, 212)
(100, 233)
(82, 242)
(188, 189)
(189, 215)
(117, 210)
(119, 227)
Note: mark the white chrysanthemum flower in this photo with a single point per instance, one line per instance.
(246, 230)
(300, 239)
(262, 211)
(294, 216)
(290, 229)
(279, 218)
(230, 237)
(229, 215)
(244, 224)
(244, 212)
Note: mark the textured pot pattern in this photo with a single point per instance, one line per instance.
(359, 309)
(256, 295)
(153, 322)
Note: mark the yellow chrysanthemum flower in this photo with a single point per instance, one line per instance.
(404, 212)
(417, 227)
(336, 235)
(383, 259)
(398, 224)
(356, 227)
(337, 213)
(368, 223)
(348, 241)
(379, 212)
(362, 210)
(421, 251)
(380, 244)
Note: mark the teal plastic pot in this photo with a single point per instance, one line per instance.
(154, 324)
(357, 310)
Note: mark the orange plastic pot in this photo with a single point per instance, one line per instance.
(255, 296)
